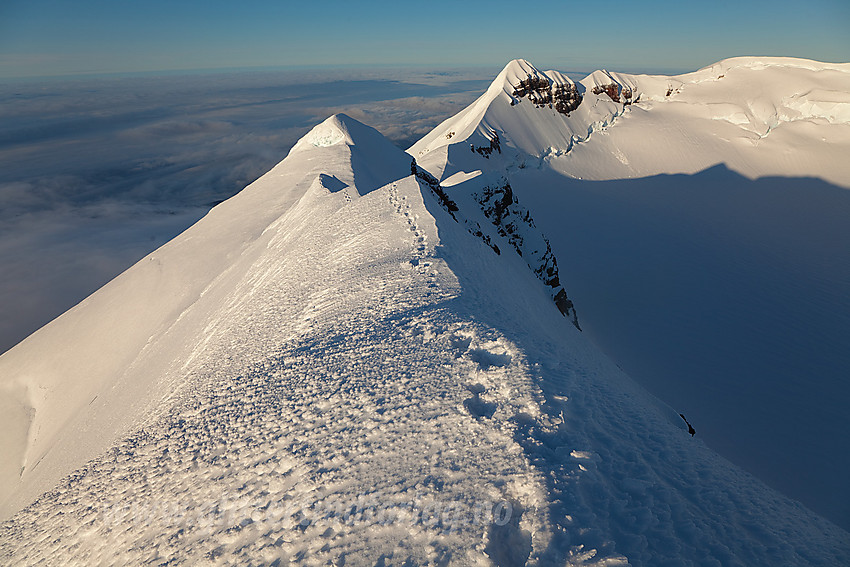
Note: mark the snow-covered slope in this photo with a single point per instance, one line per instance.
(349, 362)
(723, 287)
(507, 121)
(134, 340)
(757, 116)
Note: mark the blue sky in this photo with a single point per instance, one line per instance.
(53, 37)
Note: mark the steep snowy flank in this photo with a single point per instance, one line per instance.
(542, 112)
(512, 227)
(356, 377)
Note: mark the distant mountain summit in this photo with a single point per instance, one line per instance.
(743, 112)
(371, 356)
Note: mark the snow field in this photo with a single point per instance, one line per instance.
(623, 477)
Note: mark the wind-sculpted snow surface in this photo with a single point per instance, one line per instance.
(358, 378)
(325, 419)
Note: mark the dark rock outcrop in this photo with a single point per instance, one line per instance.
(495, 144)
(563, 97)
(615, 92)
(514, 223)
(434, 185)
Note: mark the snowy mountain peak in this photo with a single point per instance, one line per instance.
(525, 112)
(617, 86)
(364, 157)
(529, 118)
(331, 132)
(512, 73)
(520, 78)
(339, 129)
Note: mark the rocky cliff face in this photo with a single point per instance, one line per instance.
(513, 226)
(495, 145)
(513, 222)
(563, 97)
(616, 92)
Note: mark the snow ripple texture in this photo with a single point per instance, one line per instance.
(352, 440)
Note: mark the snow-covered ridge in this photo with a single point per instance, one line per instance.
(339, 365)
(758, 63)
(143, 327)
(529, 113)
(49, 398)
(339, 129)
(742, 101)
(790, 89)
(778, 118)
